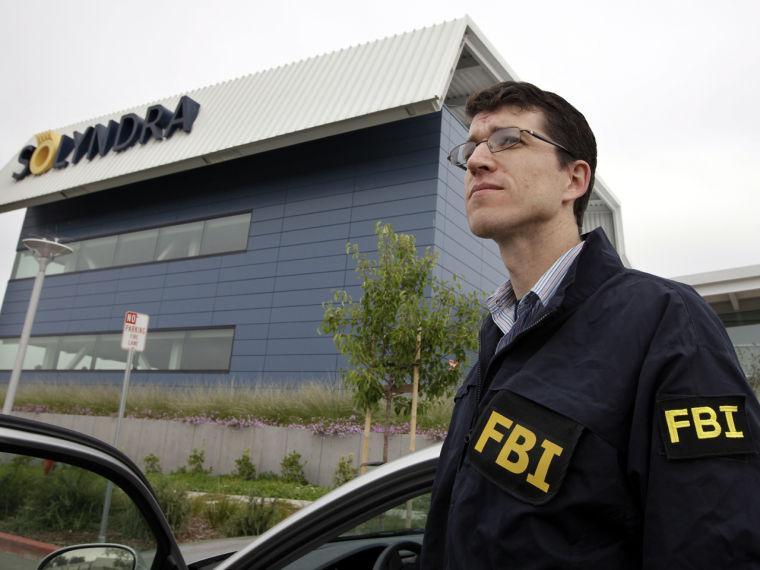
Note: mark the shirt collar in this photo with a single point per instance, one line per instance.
(504, 297)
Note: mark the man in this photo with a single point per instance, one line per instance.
(606, 423)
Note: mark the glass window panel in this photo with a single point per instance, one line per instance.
(207, 350)
(41, 353)
(76, 352)
(410, 516)
(179, 241)
(163, 351)
(26, 265)
(108, 353)
(64, 263)
(226, 234)
(744, 334)
(172, 350)
(96, 253)
(136, 247)
(8, 349)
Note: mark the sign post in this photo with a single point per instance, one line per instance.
(133, 339)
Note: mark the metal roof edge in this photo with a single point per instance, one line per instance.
(443, 88)
(719, 276)
(487, 52)
(465, 22)
(297, 137)
(428, 97)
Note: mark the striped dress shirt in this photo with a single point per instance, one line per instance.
(512, 315)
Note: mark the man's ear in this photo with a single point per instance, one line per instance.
(579, 175)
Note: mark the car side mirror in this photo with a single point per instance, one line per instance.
(106, 556)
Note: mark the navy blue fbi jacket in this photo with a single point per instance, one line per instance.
(617, 432)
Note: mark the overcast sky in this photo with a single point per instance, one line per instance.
(671, 89)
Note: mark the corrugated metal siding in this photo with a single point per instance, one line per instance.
(599, 215)
(391, 73)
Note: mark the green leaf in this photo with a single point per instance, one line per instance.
(378, 333)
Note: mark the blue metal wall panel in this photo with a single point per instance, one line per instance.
(305, 201)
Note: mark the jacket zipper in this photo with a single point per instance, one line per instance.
(522, 333)
(479, 385)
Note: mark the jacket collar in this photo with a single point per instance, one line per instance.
(596, 264)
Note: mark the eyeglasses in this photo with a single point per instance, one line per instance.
(499, 140)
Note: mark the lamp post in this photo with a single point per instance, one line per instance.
(44, 252)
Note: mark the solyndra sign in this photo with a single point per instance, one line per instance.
(58, 151)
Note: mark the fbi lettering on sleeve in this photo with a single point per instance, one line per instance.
(523, 447)
(703, 426)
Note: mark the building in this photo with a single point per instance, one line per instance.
(734, 294)
(224, 214)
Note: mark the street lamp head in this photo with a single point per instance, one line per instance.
(45, 248)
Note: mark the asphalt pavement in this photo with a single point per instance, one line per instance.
(13, 562)
(194, 551)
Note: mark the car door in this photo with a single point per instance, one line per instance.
(61, 478)
(53, 484)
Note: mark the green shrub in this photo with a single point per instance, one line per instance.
(17, 479)
(264, 485)
(291, 469)
(172, 497)
(67, 499)
(196, 460)
(221, 511)
(345, 470)
(126, 521)
(152, 464)
(255, 517)
(244, 467)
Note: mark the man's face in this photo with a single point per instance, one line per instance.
(514, 191)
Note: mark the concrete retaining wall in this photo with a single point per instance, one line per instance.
(173, 441)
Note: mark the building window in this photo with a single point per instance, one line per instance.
(136, 247)
(180, 241)
(176, 242)
(190, 350)
(225, 234)
(96, 253)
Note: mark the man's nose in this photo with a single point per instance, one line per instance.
(480, 159)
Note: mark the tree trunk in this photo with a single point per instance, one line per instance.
(365, 442)
(386, 429)
(415, 393)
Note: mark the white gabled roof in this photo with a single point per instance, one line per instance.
(365, 85)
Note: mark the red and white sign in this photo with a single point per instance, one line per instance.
(135, 331)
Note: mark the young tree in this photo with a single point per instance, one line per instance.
(407, 324)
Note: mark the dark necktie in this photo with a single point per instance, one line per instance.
(525, 313)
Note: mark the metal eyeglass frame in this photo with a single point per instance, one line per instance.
(463, 165)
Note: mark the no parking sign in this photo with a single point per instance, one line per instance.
(135, 331)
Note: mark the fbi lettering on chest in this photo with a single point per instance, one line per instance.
(523, 447)
(702, 426)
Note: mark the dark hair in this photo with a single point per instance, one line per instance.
(563, 123)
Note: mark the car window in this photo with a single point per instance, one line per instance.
(409, 516)
(46, 505)
(359, 547)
